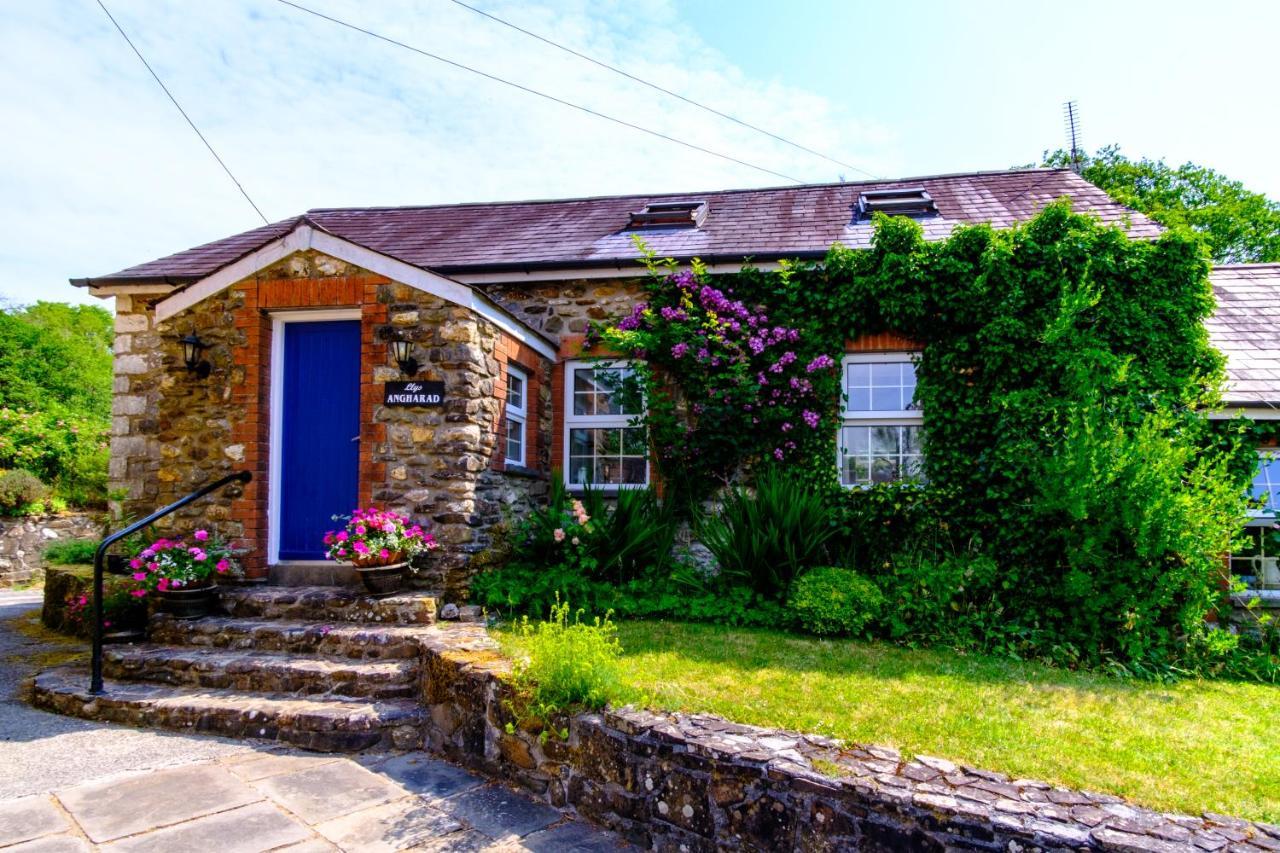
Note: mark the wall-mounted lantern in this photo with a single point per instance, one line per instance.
(192, 346)
(402, 352)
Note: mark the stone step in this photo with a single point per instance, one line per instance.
(329, 604)
(263, 672)
(337, 639)
(320, 724)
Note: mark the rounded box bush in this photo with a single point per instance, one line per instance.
(20, 491)
(833, 601)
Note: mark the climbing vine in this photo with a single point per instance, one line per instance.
(1061, 373)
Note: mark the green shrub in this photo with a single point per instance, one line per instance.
(569, 665)
(21, 492)
(634, 537)
(73, 552)
(763, 538)
(835, 602)
(520, 587)
(1137, 517)
(622, 536)
(947, 599)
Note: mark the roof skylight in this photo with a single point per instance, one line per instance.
(670, 214)
(905, 201)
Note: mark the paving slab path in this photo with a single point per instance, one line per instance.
(71, 785)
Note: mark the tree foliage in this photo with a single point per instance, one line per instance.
(55, 395)
(1239, 225)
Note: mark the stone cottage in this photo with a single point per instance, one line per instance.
(427, 359)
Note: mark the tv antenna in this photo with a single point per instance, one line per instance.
(1071, 115)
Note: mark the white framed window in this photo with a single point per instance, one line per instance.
(1255, 562)
(604, 445)
(880, 439)
(517, 413)
(1266, 484)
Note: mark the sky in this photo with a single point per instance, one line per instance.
(98, 171)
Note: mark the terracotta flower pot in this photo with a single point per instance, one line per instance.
(187, 602)
(383, 580)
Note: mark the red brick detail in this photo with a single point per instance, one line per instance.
(882, 342)
(252, 394)
(373, 353)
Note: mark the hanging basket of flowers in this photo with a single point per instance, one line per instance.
(380, 545)
(183, 575)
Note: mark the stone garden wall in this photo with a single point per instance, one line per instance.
(691, 783)
(23, 540)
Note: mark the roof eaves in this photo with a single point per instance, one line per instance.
(623, 264)
(116, 278)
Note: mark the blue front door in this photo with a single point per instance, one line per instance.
(319, 433)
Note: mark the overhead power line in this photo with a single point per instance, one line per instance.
(663, 90)
(623, 122)
(156, 77)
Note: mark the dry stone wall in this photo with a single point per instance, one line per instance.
(693, 783)
(23, 541)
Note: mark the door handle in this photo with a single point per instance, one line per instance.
(357, 438)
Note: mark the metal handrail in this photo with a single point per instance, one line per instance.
(95, 682)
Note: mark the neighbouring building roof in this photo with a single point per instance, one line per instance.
(762, 224)
(1246, 327)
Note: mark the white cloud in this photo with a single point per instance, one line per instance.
(100, 172)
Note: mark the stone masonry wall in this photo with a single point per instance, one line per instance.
(692, 783)
(173, 431)
(447, 463)
(23, 540)
(564, 309)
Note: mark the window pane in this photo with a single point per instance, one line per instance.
(886, 374)
(911, 440)
(855, 439)
(633, 442)
(579, 469)
(633, 471)
(608, 442)
(515, 440)
(515, 391)
(579, 442)
(886, 399)
(857, 470)
(884, 440)
(859, 399)
(884, 469)
(913, 467)
(859, 375)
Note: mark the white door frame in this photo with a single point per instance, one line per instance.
(279, 319)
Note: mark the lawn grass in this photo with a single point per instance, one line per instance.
(1191, 747)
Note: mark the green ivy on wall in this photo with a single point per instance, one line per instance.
(1062, 373)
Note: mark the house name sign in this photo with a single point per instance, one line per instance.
(415, 393)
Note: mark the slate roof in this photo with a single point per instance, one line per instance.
(1246, 327)
(763, 224)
